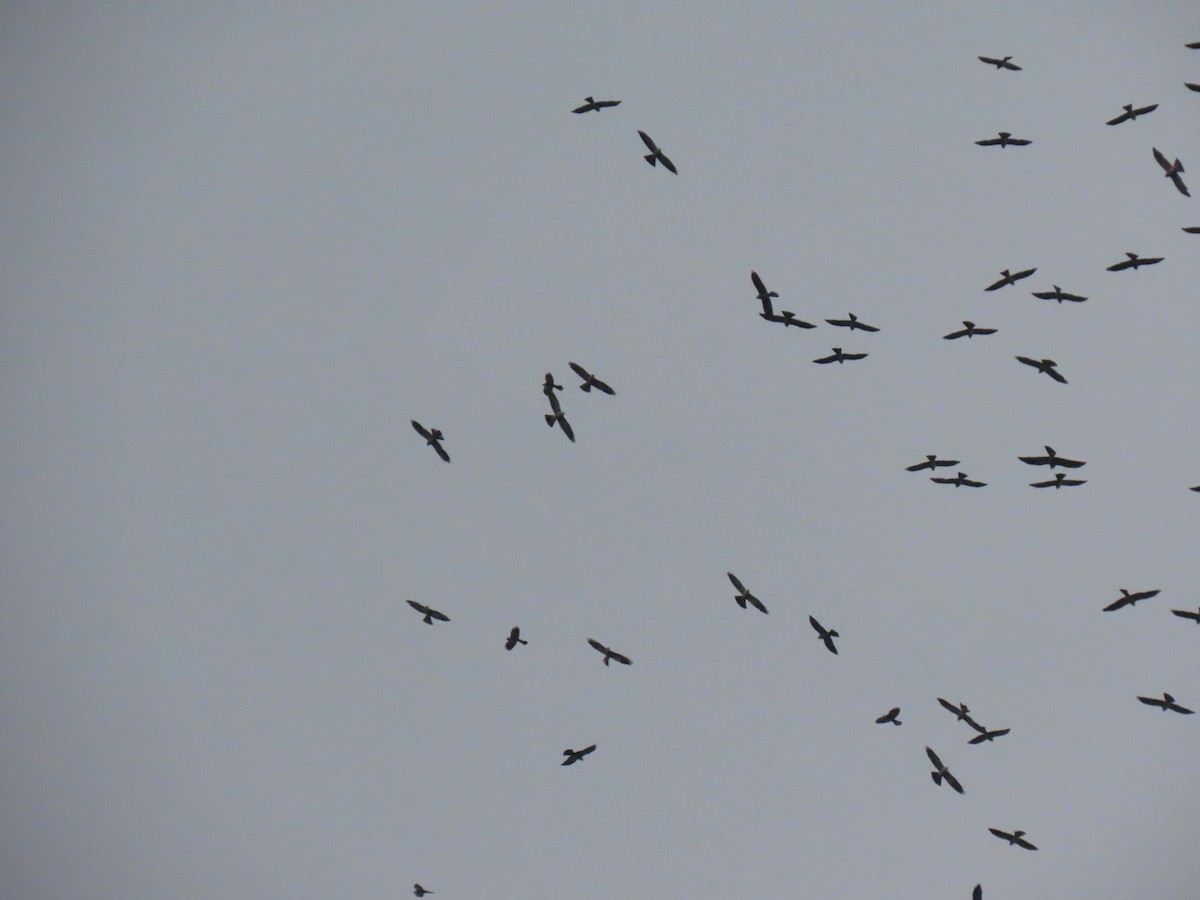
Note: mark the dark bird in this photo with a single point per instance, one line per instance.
(559, 417)
(1052, 459)
(1173, 170)
(786, 317)
(590, 381)
(838, 357)
(892, 715)
(1005, 138)
(1167, 702)
(1059, 295)
(986, 735)
(657, 156)
(420, 891)
(609, 653)
(1045, 366)
(433, 437)
(548, 386)
(825, 635)
(1000, 63)
(1128, 599)
(1007, 278)
(1134, 262)
(428, 613)
(763, 294)
(514, 638)
(968, 332)
(941, 773)
(1188, 614)
(1131, 113)
(1191, 87)
(574, 756)
(744, 596)
(851, 323)
(1060, 480)
(595, 104)
(977, 894)
(1017, 838)
(960, 480)
(931, 462)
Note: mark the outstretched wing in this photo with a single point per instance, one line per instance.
(420, 429)
(650, 145)
(597, 645)
(1162, 160)
(756, 603)
(1118, 603)
(441, 617)
(622, 659)
(952, 781)
(566, 428)
(580, 371)
(441, 451)
(586, 750)
(736, 583)
(816, 626)
(423, 610)
(670, 166)
(933, 758)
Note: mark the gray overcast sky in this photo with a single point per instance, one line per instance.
(242, 245)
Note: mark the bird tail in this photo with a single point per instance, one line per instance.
(550, 420)
(1178, 166)
(428, 619)
(585, 387)
(651, 158)
(936, 776)
(895, 721)
(522, 641)
(772, 294)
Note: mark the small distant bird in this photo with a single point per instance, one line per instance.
(824, 634)
(609, 653)
(986, 735)
(1167, 702)
(838, 357)
(1188, 614)
(960, 480)
(931, 462)
(514, 638)
(657, 156)
(763, 294)
(1130, 113)
(1060, 480)
(1128, 599)
(851, 323)
(420, 891)
(595, 104)
(1191, 87)
(744, 596)
(559, 417)
(941, 773)
(968, 332)
(590, 381)
(548, 386)
(433, 437)
(1052, 459)
(1007, 278)
(960, 711)
(892, 715)
(1134, 262)
(1045, 366)
(786, 317)
(574, 756)
(429, 613)
(1173, 170)
(1000, 63)
(1017, 838)
(1003, 140)
(1059, 294)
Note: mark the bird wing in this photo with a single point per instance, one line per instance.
(1118, 603)
(1035, 460)
(1021, 842)
(607, 103)
(863, 327)
(928, 464)
(826, 359)
(566, 428)
(1119, 119)
(829, 645)
(587, 107)
(670, 166)
(1146, 109)
(586, 750)
(622, 659)
(1162, 160)
(420, 429)
(423, 610)
(933, 758)
(441, 617)
(1123, 264)
(649, 143)
(602, 387)
(1056, 375)
(1145, 595)
(554, 404)
(948, 705)
(990, 142)
(580, 371)
(1178, 182)
(758, 284)
(953, 782)
(1020, 142)
(977, 893)
(1003, 835)
(816, 626)
(1191, 87)
(996, 285)
(756, 603)
(1070, 463)
(441, 451)
(978, 739)
(1187, 614)
(1025, 274)
(854, 356)
(990, 61)
(736, 582)
(597, 645)
(954, 335)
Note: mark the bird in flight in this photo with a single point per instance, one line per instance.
(1188, 614)
(1128, 599)
(420, 891)
(824, 634)
(1167, 702)
(970, 331)
(574, 756)
(559, 417)
(1052, 459)
(851, 323)
(514, 638)
(1060, 480)
(960, 480)
(590, 381)
(1173, 170)
(1130, 113)
(1007, 278)
(941, 773)
(1045, 366)
(744, 596)
(657, 156)
(433, 437)
(609, 653)
(429, 613)
(1134, 262)
(1059, 295)
(549, 387)
(1003, 140)
(931, 462)
(838, 357)
(986, 735)
(595, 104)
(763, 294)
(1017, 838)
(1000, 63)
(892, 715)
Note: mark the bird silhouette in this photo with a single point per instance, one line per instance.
(1045, 366)
(851, 323)
(549, 387)
(1015, 838)
(1000, 63)
(433, 437)
(969, 332)
(574, 756)
(892, 715)
(1004, 139)
(420, 891)
(1007, 277)
(1188, 614)
(931, 462)
(657, 156)
(1060, 480)
(1135, 262)
(1059, 295)
(1130, 113)
(960, 480)
(597, 105)
(590, 381)
(763, 294)
(824, 634)
(429, 613)
(941, 773)
(1128, 599)
(838, 357)
(744, 596)
(1052, 459)
(1172, 170)
(1166, 703)
(559, 417)
(514, 638)
(609, 653)
(987, 735)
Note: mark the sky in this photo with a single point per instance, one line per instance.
(244, 244)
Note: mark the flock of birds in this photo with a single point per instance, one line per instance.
(940, 774)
